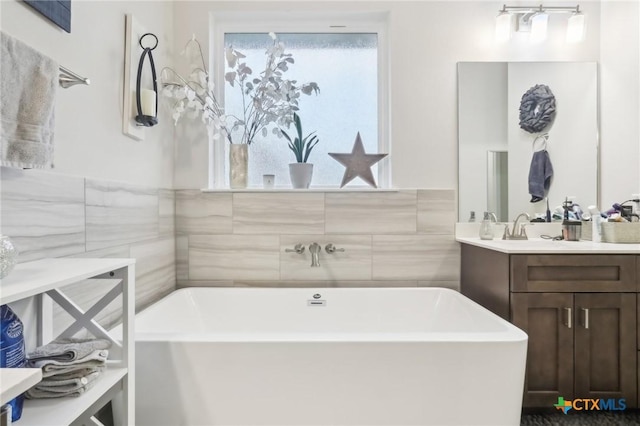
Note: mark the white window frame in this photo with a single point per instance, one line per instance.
(300, 22)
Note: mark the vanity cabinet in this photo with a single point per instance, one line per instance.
(579, 311)
(581, 345)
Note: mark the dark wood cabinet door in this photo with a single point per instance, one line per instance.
(605, 346)
(548, 320)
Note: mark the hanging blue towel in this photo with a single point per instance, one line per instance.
(540, 174)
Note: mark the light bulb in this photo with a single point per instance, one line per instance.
(503, 26)
(539, 23)
(575, 28)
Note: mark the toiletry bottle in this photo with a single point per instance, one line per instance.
(12, 352)
(472, 216)
(596, 224)
(486, 227)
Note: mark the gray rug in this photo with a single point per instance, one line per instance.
(605, 418)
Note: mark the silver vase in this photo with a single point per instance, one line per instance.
(238, 165)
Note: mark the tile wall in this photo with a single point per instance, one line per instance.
(52, 215)
(391, 238)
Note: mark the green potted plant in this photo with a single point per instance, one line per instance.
(301, 172)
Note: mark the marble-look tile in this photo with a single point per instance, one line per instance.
(87, 292)
(453, 285)
(166, 212)
(119, 214)
(436, 211)
(352, 264)
(202, 213)
(376, 284)
(205, 283)
(231, 257)
(42, 213)
(155, 270)
(371, 213)
(282, 284)
(278, 213)
(416, 257)
(182, 258)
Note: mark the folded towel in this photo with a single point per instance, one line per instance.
(68, 349)
(540, 174)
(52, 367)
(35, 393)
(28, 83)
(76, 374)
(64, 386)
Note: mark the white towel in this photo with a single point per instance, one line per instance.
(28, 83)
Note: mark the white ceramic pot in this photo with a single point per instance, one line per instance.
(300, 174)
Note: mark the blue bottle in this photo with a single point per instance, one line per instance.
(12, 351)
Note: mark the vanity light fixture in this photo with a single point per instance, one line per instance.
(575, 27)
(535, 19)
(146, 99)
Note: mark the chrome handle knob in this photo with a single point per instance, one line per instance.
(330, 248)
(298, 248)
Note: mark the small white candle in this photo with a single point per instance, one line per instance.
(148, 102)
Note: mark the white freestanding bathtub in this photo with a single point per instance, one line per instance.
(347, 356)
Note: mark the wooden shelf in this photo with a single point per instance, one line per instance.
(32, 278)
(63, 411)
(14, 381)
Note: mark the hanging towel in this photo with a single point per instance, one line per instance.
(540, 174)
(68, 349)
(28, 83)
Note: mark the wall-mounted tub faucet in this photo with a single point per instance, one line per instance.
(330, 248)
(298, 248)
(314, 249)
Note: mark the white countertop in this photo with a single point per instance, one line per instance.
(467, 233)
(542, 246)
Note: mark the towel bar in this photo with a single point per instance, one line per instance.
(68, 78)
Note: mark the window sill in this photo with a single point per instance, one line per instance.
(314, 189)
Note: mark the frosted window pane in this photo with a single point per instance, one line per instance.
(345, 68)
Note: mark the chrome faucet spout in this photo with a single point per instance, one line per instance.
(514, 234)
(314, 249)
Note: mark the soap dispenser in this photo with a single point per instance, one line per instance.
(486, 227)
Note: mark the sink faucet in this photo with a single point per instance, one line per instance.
(314, 249)
(521, 235)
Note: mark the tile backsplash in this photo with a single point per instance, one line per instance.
(52, 215)
(391, 238)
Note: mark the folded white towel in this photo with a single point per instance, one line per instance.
(28, 83)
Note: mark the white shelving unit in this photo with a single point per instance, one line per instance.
(116, 384)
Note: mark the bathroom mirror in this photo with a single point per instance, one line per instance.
(494, 153)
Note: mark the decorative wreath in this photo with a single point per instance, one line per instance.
(537, 109)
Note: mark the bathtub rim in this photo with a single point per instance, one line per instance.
(511, 333)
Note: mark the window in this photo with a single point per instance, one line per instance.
(346, 64)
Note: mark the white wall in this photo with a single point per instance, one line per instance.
(432, 37)
(427, 40)
(89, 139)
(620, 101)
